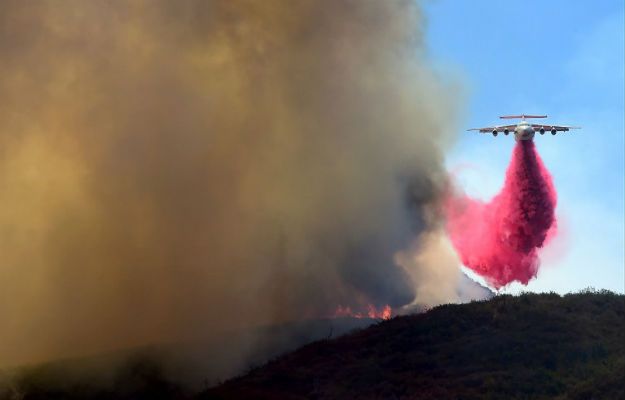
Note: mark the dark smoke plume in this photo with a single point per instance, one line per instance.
(173, 169)
(500, 239)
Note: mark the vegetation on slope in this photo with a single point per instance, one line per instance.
(532, 346)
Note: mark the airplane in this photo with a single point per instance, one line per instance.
(524, 130)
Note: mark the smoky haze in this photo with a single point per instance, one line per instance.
(170, 169)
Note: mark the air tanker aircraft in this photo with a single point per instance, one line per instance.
(524, 130)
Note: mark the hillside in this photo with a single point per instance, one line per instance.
(528, 347)
(167, 370)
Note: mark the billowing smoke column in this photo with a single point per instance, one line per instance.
(173, 169)
(500, 239)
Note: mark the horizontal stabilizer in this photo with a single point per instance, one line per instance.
(522, 116)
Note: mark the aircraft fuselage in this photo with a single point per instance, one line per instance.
(524, 131)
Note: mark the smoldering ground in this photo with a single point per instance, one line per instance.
(169, 170)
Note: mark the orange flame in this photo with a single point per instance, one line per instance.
(371, 312)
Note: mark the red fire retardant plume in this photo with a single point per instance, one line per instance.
(500, 239)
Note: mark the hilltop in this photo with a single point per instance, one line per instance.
(530, 346)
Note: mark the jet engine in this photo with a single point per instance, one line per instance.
(494, 132)
(553, 131)
(542, 131)
(505, 131)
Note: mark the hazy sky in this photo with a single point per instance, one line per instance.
(564, 59)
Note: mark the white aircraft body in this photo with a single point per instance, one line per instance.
(524, 130)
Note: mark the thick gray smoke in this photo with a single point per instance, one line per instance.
(172, 169)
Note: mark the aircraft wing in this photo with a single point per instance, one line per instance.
(499, 128)
(558, 128)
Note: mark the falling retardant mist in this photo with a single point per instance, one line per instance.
(500, 239)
